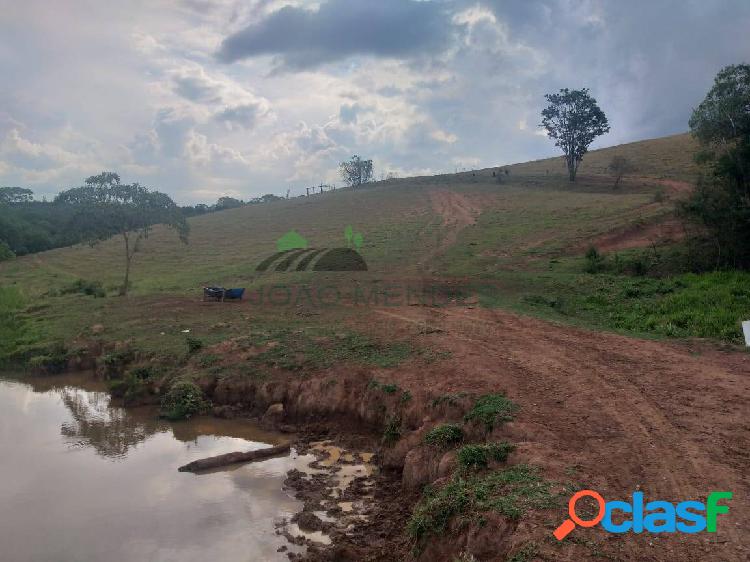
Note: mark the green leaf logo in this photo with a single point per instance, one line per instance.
(353, 239)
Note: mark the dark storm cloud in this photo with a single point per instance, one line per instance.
(341, 28)
(649, 62)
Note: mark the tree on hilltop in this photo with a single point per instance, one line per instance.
(573, 120)
(356, 171)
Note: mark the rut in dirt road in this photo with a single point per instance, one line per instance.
(633, 414)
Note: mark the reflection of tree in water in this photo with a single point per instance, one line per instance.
(109, 430)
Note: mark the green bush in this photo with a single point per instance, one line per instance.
(594, 260)
(84, 287)
(53, 359)
(444, 436)
(392, 430)
(491, 409)
(184, 400)
(478, 456)
(115, 362)
(131, 387)
(193, 345)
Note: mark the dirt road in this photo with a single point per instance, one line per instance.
(623, 414)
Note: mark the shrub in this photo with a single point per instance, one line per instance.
(143, 372)
(594, 260)
(478, 456)
(444, 436)
(392, 430)
(193, 345)
(183, 400)
(53, 359)
(115, 362)
(491, 409)
(84, 287)
(132, 386)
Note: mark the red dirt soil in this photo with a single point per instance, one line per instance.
(669, 419)
(639, 236)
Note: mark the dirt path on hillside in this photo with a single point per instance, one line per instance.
(457, 212)
(629, 414)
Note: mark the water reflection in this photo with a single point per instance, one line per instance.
(110, 431)
(83, 480)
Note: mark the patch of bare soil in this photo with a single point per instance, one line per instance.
(639, 236)
(614, 413)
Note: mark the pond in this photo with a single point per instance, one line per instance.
(82, 480)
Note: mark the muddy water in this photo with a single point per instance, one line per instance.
(82, 480)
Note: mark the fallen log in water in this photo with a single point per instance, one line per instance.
(232, 458)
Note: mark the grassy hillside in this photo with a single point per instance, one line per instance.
(527, 235)
(667, 157)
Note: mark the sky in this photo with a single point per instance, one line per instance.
(206, 98)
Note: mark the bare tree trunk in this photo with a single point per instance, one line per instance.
(123, 288)
(571, 171)
(128, 257)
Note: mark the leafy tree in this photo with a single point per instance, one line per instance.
(573, 120)
(722, 123)
(356, 171)
(5, 252)
(105, 206)
(724, 115)
(15, 195)
(721, 202)
(619, 166)
(228, 203)
(267, 198)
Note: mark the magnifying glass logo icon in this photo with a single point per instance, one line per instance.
(569, 524)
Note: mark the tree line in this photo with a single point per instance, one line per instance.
(28, 226)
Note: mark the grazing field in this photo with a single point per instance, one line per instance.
(563, 404)
(526, 232)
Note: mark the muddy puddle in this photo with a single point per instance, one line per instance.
(83, 480)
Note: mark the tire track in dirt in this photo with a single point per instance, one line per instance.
(637, 414)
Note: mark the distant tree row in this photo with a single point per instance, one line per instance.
(224, 203)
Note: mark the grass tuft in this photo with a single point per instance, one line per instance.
(492, 410)
(478, 456)
(444, 436)
(510, 492)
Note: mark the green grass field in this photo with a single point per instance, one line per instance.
(528, 239)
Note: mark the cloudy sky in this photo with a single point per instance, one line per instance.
(202, 98)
